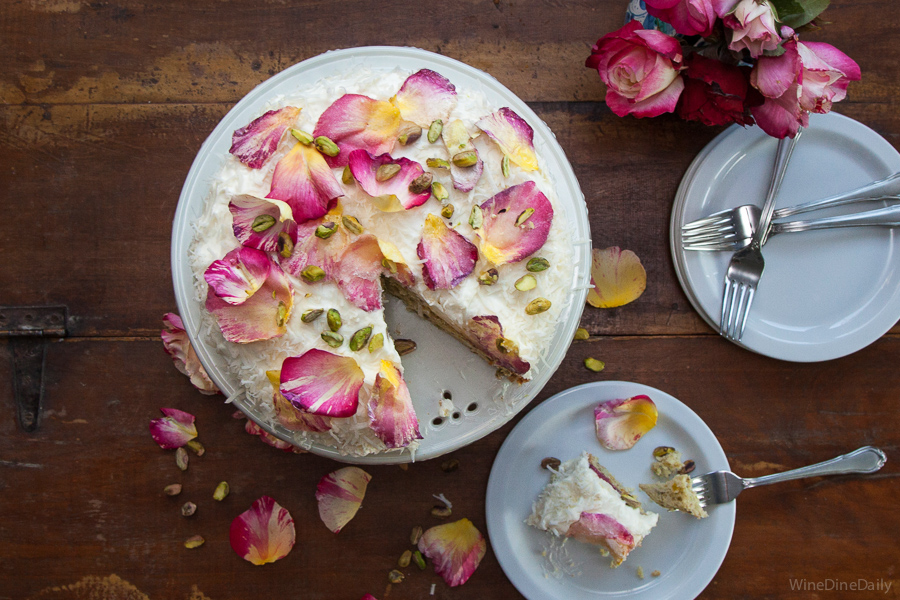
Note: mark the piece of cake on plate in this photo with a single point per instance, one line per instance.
(584, 501)
(364, 182)
(675, 494)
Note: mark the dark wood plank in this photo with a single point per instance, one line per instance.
(83, 495)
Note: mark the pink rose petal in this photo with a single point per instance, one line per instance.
(457, 139)
(264, 533)
(395, 265)
(502, 240)
(617, 277)
(270, 440)
(514, 136)
(340, 495)
(256, 142)
(239, 275)
(456, 549)
(174, 430)
(391, 413)
(305, 181)
(357, 272)
(289, 415)
(178, 346)
(392, 195)
(425, 97)
(309, 249)
(246, 210)
(357, 122)
(598, 528)
(504, 353)
(264, 316)
(448, 256)
(621, 423)
(322, 383)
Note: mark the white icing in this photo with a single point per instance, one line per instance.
(214, 238)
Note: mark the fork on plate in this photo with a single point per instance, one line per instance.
(888, 216)
(734, 223)
(720, 487)
(747, 264)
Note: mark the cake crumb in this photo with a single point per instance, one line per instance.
(640, 572)
(656, 573)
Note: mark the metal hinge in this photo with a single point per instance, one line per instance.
(28, 329)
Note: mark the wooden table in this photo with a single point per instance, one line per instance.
(104, 105)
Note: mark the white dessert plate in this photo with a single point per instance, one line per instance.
(824, 294)
(441, 366)
(686, 551)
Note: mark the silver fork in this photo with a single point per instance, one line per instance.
(746, 266)
(724, 486)
(888, 216)
(733, 221)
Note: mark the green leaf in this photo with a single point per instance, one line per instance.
(796, 13)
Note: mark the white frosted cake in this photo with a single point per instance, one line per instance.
(584, 501)
(357, 183)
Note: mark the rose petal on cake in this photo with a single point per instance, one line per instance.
(237, 276)
(598, 528)
(178, 346)
(305, 181)
(391, 195)
(617, 277)
(258, 222)
(264, 533)
(357, 271)
(508, 234)
(357, 122)
(340, 495)
(425, 97)
(174, 430)
(448, 256)
(503, 352)
(391, 413)
(456, 549)
(621, 423)
(322, 383)
(514, 136)
(263, 316)
(256, 142)
(310, 249)
(457, 139)
(289, 415)
(395, 264)
(270, 440)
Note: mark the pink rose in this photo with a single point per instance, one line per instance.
(808, 77)
(753, 27)
(688, 17)
(640, 69)
(716, 93)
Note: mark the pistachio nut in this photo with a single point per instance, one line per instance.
(285, 245)
(507, 346)
(326, 146)
(688, 467)
(311, 315)
(352, 224)
(409, 137)
(172, 489)
(386, 171)
(447, 211)
(450, 465)
(550, 463)
(537, 306)
(524, 216)
(281, 314)
(188, 509)
(404, 347)
(420, 183)
(435, 130)
(326, 230)
(359, 338)
(476, 218)
(404, 559)
(195, 541)
(181, 458)
(347, 176)
(196, 447)
(661, 451)
(489, 277)
(537, 264)
(419, 560)
(526, 283)
(333, 339)
(504, 166)
(395, 576)
(415, 535)
(437, 163)
(592, 364)
(467, 158)
(302, 137)
(439, 191)
(262, 222)
(333, 317)
(441, 512)
(376, 342)
(582, 334)
(312, 273)
(221, 491)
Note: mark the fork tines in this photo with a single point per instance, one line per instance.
(699, 487)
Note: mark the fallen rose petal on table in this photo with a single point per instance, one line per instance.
(174, 430)
(178, 346)
(340, 494)
(617, 277)
(264, 533)
(456, 549)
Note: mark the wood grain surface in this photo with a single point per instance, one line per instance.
(103, 106)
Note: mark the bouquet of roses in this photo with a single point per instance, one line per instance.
(730, 61)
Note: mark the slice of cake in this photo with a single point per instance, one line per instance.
(584, 501)
(361, 183)
(675, 494)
